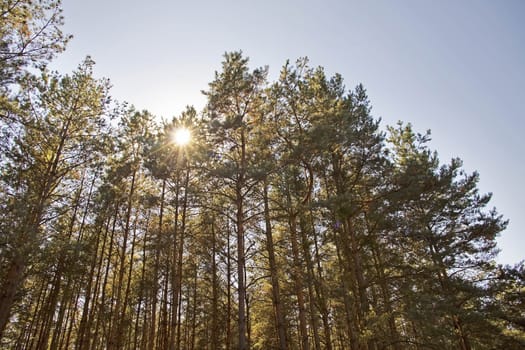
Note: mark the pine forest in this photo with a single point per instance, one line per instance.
(281, 216)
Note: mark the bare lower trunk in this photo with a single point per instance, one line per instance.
(241, 263)
(12, 282)
(240, 275)
(298, 283)
(276, 298)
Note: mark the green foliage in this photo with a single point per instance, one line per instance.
(289, 221)
(60, 135)
(30, 34)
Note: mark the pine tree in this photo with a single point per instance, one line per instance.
(446, 226)
(61, 134)
(289, 219)
(234, 99)
(30, 33)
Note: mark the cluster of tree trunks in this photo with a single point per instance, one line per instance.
(290, 221)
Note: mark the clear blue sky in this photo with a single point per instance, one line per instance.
(455, 67)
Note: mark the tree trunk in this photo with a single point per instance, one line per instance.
(320, 289)
(351, 317)
(177, 294)
(215, 344)
(102, 301)
(241, 258)
(298, 282)
(12, 282)
(81, 340)
(385, 293)
(115, 339)
(156, 266)
(228, 290)
(241, 263)
(274, 275)
(310, 282)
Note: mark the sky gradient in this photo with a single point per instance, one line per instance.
(455, 67)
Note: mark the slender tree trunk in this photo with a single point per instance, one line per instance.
(351, 318)
(12, 282)
(49, 312)
(310, 282)
(354, 256)
(155, 291)
(35, 319)
(241, 263)
(115, 338)
(178, 274)
(141, 290)
(70, 287)
(463, 339)
(241, 258)
(386, 296)
(128, 283)
(175, 278)
(298, 281)
(194, 313)
(162, 333)
(228, 290)
(215, 344)
(70, 320)
(62, 334)
(83, 339)
(248, 321)
(320, 288)
(274, 275)
(65, 308)
(102, 302)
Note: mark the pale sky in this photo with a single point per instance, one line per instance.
(455, 67)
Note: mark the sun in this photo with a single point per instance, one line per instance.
(181, 136)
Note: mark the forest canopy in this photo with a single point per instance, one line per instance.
(281, 216)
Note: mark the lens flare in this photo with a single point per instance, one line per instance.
(181, 136)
